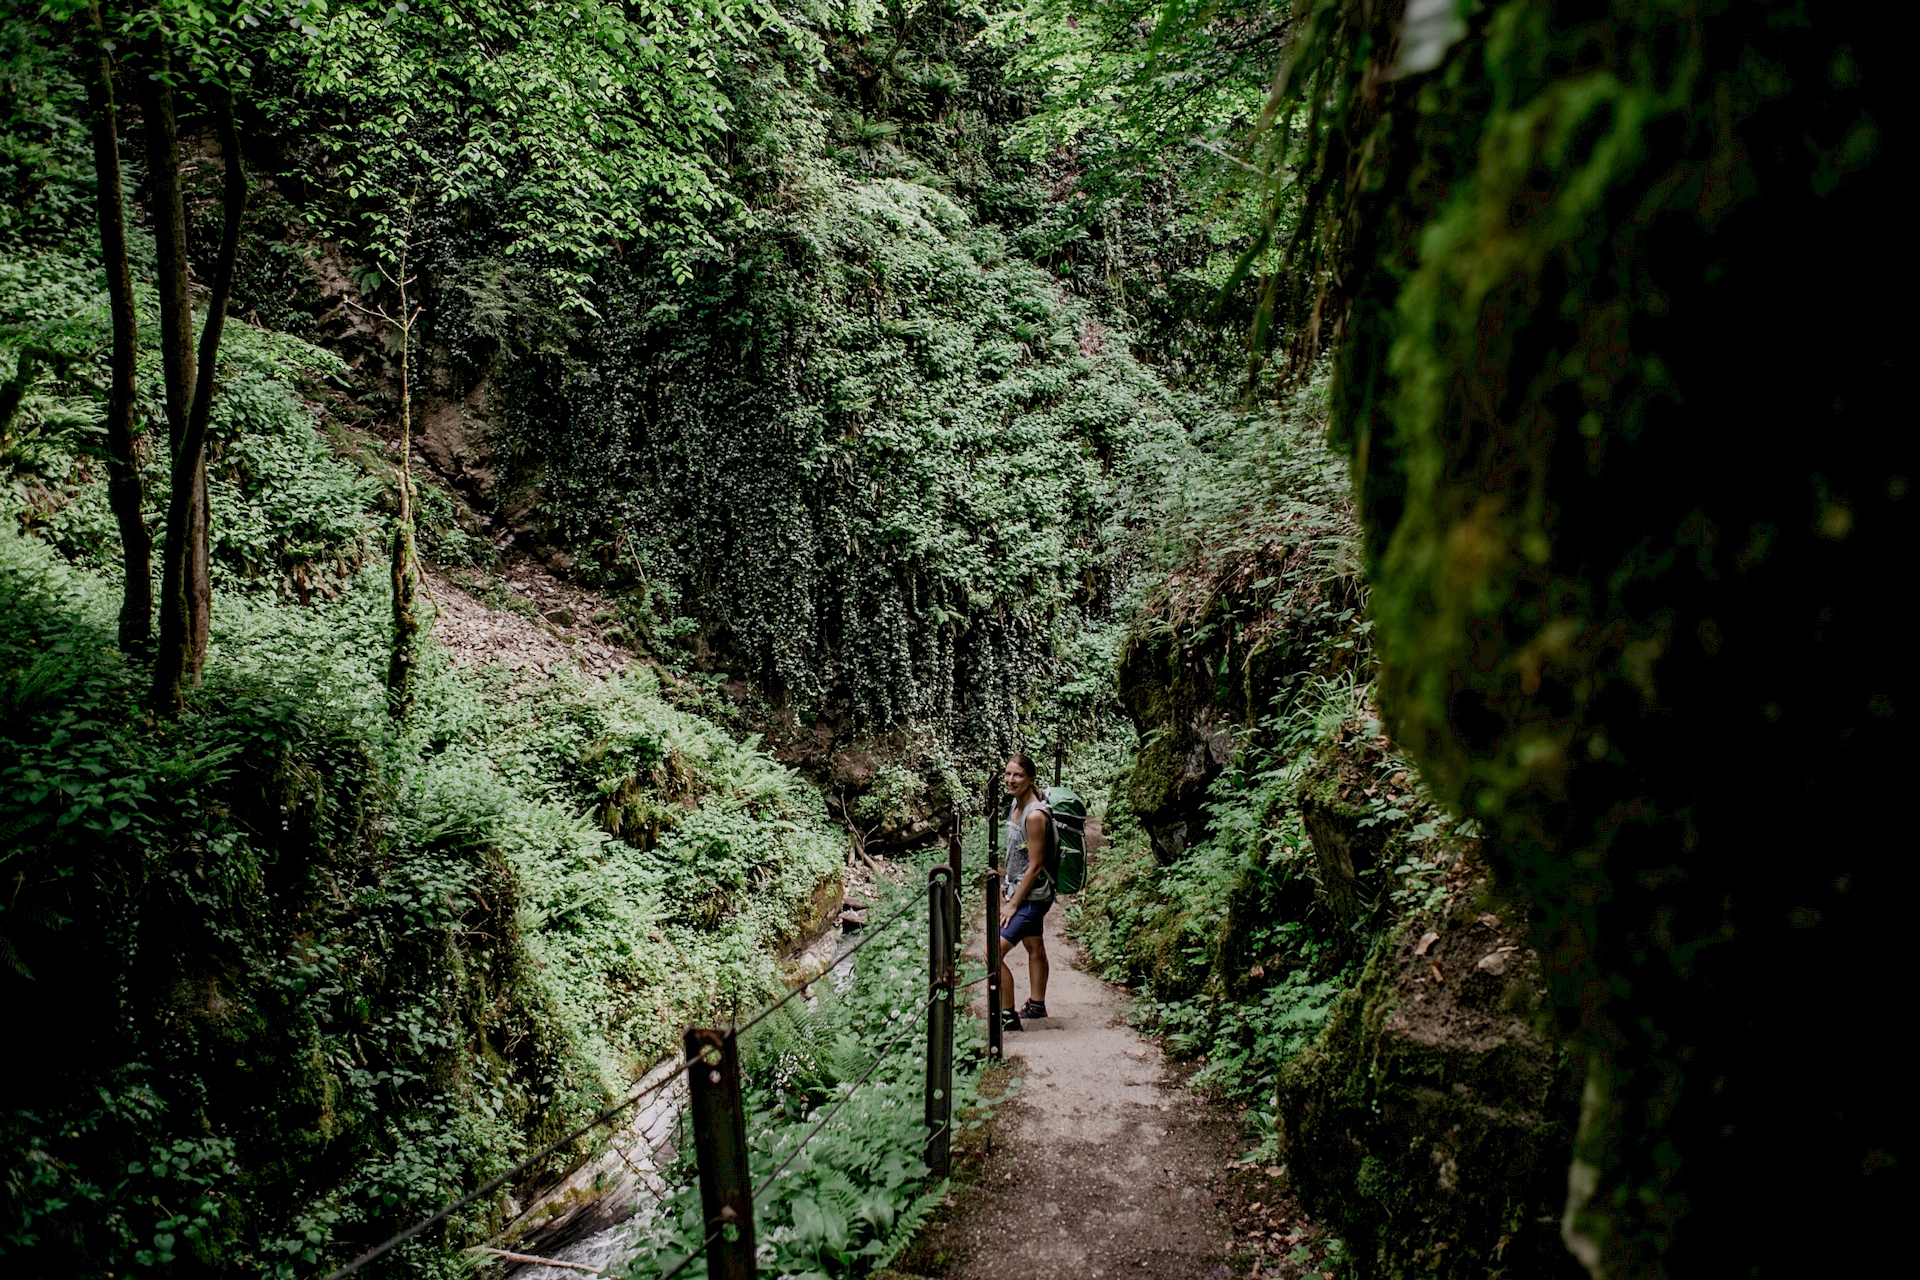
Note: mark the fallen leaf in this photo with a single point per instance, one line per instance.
(1493, 962)
(1435, 966)
(1275, 1170)
(1258, 971)
(1427, 939)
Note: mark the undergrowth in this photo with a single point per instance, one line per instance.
(323, 976)
(854, 1194)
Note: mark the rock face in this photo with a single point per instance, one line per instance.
(1432, 1120)
(1188, 737)
(1346, 853)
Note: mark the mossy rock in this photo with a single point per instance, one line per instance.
(1431, 1121)
(1344, 849)
(1635, 568)
(1144, 681)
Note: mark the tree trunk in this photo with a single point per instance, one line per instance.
(167, 213)
(125, 493)
(184, 593)
(169, 218)
(406, 615)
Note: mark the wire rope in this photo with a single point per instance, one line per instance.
(687, 1261)
(847, 1097)
(865, 938)
(381, 1250)
(387, 1246)
(768, 1182)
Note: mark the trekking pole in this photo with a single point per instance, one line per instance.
(720, 1148)
(939, 1148)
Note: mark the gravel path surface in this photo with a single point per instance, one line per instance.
(1102, 1166)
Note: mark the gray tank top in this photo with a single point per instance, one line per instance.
(1017, 855)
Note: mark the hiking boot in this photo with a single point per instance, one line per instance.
(1033, 1009)
(1010, 1021)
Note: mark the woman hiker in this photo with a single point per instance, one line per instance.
(1029, 887)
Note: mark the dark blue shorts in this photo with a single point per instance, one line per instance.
(1026, 922)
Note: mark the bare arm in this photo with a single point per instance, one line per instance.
(1036, 855)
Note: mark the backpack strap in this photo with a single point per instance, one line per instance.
(1050, 863)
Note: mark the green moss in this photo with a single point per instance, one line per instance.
(1630, 560)
(1151, 786)
(1431, 1130)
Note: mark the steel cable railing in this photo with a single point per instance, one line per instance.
(866, 936)
(602, 1117)
(766, 1184)
(494, 1184)
(687, 1261)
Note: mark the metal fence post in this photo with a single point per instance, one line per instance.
(720, 1147)
(956, 925)
(991, 880)
(995, 1047)
(939, 1020)
(993, 822)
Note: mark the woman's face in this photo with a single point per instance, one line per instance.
(1016, 778)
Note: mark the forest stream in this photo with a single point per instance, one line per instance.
(539, 540)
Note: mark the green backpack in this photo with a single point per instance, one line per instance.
(1070, 840)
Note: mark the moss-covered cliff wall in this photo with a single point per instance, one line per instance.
(1633, 513)
(1432, 1119)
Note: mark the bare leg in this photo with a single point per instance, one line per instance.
(1037, 967)
(1006, 978)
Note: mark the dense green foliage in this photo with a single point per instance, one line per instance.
(567, 126)
(887, 474)
(318, 978)
(877, 358)
(349, 972)
(880, 456)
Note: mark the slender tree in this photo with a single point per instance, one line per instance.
(125, 493)
(405, 561)
(185, 591)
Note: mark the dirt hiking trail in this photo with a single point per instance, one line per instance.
(1103, 1165)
